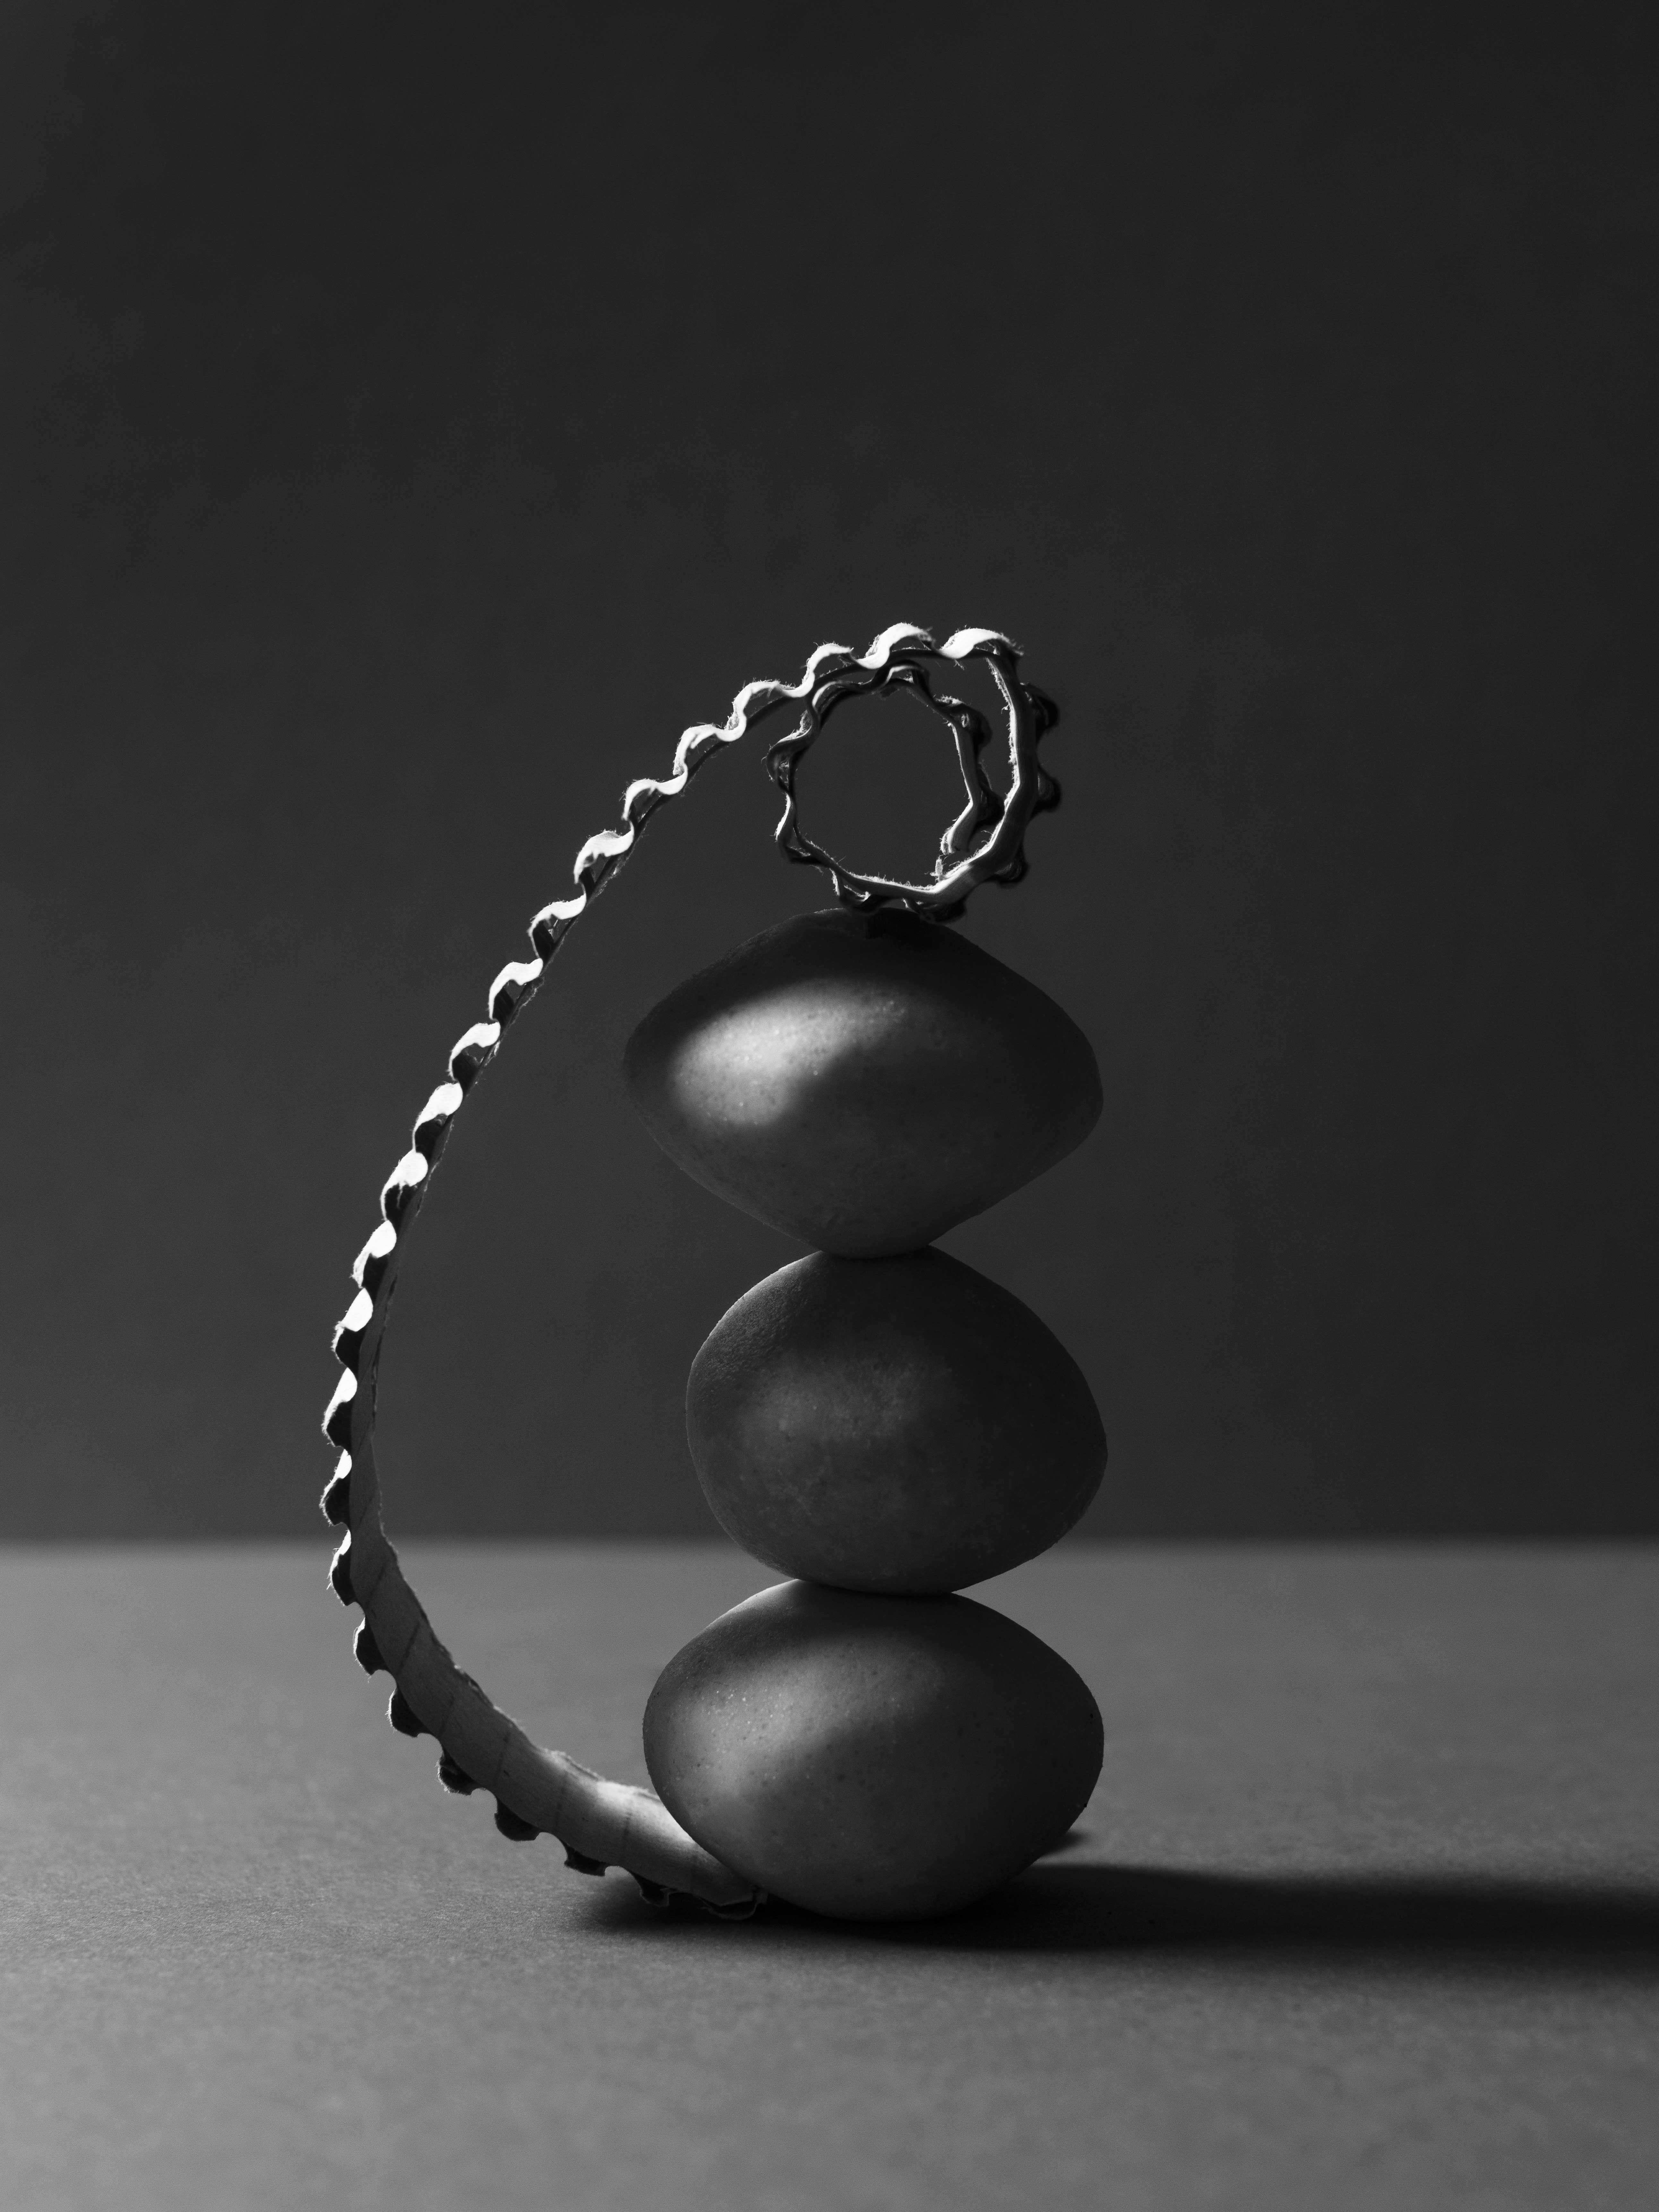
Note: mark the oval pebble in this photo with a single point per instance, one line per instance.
(871, 1758)
(900, 1425)
(863, 1082)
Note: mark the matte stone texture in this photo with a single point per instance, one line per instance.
(900, 1425)
(871, 1758)
(863, 1082)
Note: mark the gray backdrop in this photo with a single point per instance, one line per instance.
(414, 416)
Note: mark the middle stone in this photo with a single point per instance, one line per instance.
(903, 1425)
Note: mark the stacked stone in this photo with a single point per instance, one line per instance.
(881, 1422)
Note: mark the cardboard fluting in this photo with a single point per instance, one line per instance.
(601, 1823)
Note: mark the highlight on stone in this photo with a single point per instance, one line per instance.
(879, 1421)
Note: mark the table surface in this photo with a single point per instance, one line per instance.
(1364, 1913)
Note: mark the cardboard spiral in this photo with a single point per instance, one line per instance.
(603, 1824)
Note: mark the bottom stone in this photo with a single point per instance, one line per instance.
(871, 1758)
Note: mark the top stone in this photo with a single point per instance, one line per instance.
(863, 1082)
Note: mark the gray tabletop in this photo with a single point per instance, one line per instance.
(1366, 1911)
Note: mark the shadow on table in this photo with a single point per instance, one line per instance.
(1490, 1923)
(1431, 1918)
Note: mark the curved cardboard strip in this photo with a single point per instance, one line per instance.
(602, 1823)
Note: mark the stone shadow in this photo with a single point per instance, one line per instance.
(1427, 1921)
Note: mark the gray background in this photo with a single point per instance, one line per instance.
(414, 416)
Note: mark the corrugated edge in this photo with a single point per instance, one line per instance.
(601, 1823)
